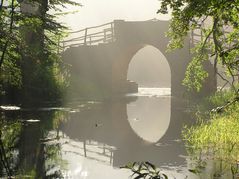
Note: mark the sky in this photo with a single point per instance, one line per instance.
(97, 12)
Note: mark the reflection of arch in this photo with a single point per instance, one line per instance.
(149, 118)
(114, 131)
(149, 68)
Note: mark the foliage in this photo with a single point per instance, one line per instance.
(59, 118)
(220, 132)
(30, 63)
(26, 174)
(145, 170)
(54, 161)
(218, 23)
(221, 97)
(213, 103)
(216, 139)
(9, 136)
(41, 140)
(10, 132)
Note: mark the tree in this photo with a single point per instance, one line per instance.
(219, 41)
(29, 59)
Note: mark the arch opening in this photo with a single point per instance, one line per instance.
(149, 68)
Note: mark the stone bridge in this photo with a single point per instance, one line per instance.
(98, 60)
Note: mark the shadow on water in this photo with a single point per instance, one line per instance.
(84, 140)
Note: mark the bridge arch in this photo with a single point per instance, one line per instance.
(149, 68)
(120, 66)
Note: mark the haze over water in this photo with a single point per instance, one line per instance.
(142, 127)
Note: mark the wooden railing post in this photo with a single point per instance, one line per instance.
(85, 40)
(105, 38)
(88, 38)
(112, 31)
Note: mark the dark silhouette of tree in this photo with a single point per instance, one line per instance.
(29, 49)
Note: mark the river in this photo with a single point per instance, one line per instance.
(93, 139)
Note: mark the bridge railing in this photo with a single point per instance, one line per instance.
(90, 36)
(197, 35)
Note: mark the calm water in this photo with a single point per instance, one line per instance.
(92, 140)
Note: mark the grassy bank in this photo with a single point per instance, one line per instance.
(214, 141)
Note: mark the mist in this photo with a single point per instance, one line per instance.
(95, 12)
(149, 68)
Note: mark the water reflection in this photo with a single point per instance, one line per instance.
(93, 140)
(149, 118)
(27, 145)
(122, 131)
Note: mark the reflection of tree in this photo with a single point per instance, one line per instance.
(32, 149)
(55, 165)
(59, 118)
(4, 161)
(8, 140)
(207, 165)
(53, 160)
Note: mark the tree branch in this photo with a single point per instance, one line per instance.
(221, 108)
(1, 5)
(10, 31)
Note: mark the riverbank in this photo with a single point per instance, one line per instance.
(213, 143)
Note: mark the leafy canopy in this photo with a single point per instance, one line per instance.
(29, 36)
(218, 22)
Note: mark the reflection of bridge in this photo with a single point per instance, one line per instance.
(99, 56)
(114, 142)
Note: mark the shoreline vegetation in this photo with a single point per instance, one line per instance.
(31, 69)
(213, 141)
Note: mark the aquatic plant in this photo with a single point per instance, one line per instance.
(216, 139)
(145, 170)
